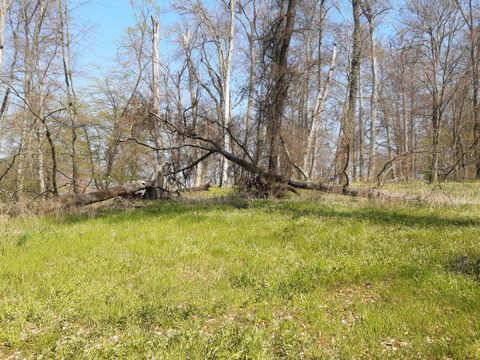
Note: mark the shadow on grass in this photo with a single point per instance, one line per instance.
(194, 211)
(410, 216)
(468, 265)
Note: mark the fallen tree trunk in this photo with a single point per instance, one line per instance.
(63, 202)
(155, 193)
(328, 188)
(203, 187)
(365, 193)
(212, 147)
(69, 201)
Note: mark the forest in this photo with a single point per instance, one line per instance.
(239, 179)
(315, 91)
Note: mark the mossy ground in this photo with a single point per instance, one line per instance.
(220, 277)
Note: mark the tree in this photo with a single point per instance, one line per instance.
(371, 9)
(348, 117)
(282, 29)
(435, 26)
(467, 12)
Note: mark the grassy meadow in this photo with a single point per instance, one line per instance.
(313, 276)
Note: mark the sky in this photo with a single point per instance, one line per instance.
(105, 20)
(109, 18)
(101, 24)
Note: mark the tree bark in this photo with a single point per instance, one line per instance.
(309, 159)
(278, 92)
(227, 179)
(71, 95)
(348, 119)
(159, 157)
(68, 201)
(374, 95)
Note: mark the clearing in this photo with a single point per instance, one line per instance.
(218, 276)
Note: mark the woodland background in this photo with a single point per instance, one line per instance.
(313, 90)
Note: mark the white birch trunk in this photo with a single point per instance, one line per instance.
(309, 162)
(159, 158)
(373, 108)
(4, 5)
(226, 176)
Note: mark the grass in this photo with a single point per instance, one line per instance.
(221, 277)
(464, 192)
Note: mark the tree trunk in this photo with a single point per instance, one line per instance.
(71, 96)
(278, 92)
(4, 5)
(227, 179)
(68, 201)
(435, 143)
(348, 119)
(158, 177)
(360, 131)
(309, 158)
(373, 104)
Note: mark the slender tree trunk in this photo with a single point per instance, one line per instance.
(53, 155)
(389, 147)
(411, 138)
(251, 88)
(91, 159)
(310, 153)
(360, 131)
(435, 143)
(192, 88)
(469, 18)
(4, 5)
(159, 157)
(405, 142)
(71, 96)
(41, 163)
(475, 84)
(40, 140)
(227, 178)
(22, 159)
(11, 76)
(373, 105)
(348, 120)
(252, 73)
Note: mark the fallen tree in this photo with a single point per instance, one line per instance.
(134, 189)
(203, 187)
(212, 147)
(155, 192)
(324, 187)
(62, 202)
(366, 193)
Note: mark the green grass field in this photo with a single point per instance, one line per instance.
(309, 277)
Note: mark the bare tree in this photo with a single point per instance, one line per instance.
(4, 6)
(466, 8)
(310, 162)
(348, 117)
(436, 26)
(371, 9)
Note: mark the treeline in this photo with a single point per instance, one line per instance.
(311, 90)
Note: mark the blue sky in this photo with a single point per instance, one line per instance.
(105, 21)
(108, 19)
